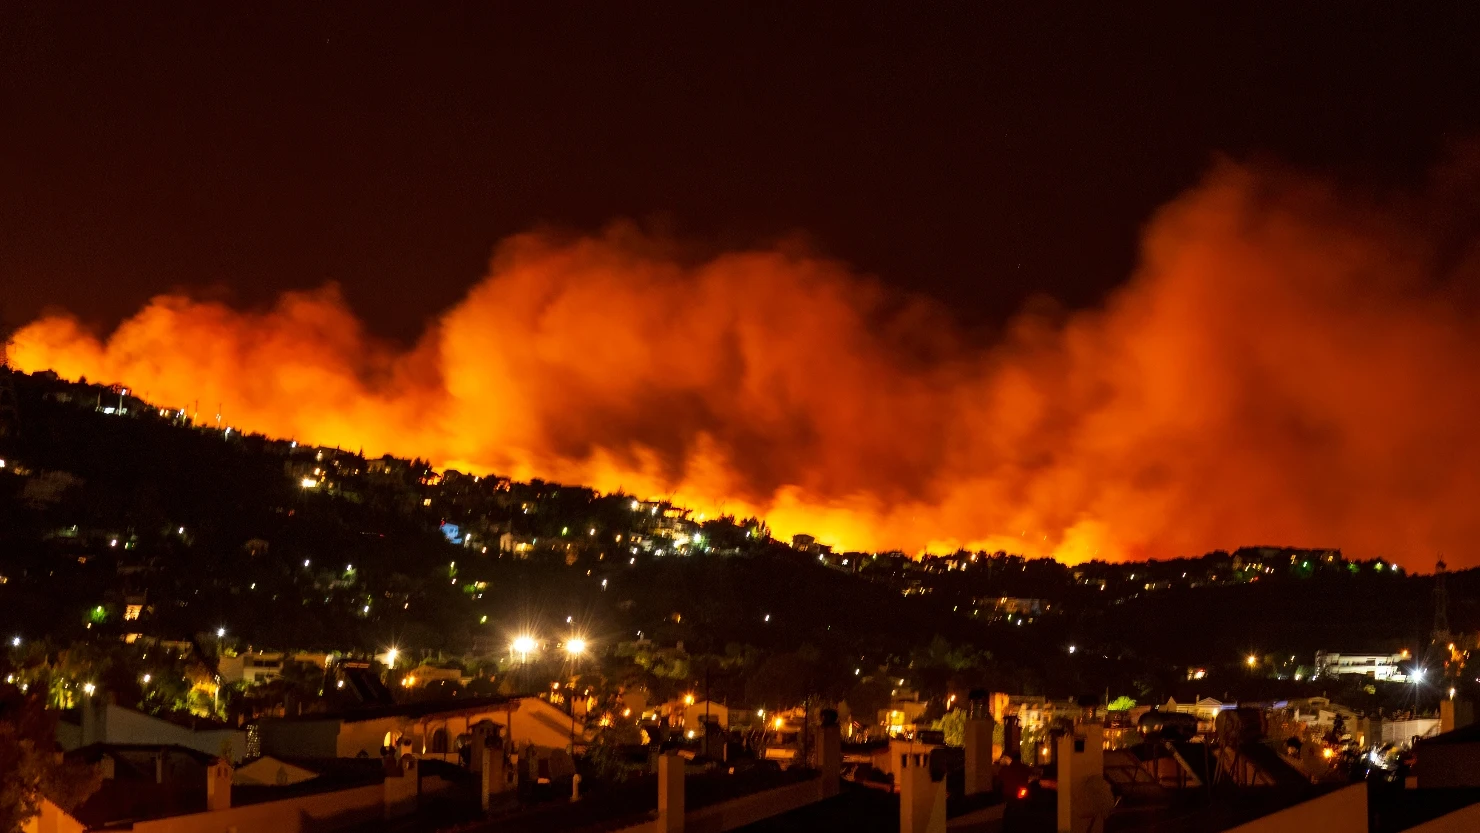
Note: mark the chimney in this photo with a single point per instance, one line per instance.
(1455, 714)
(1011, 738)
(218, 786)
(829, 753)
(922, 801)
(978, 739)
(670, 794)
(402, 787)
(94, 721)
(1084, 797)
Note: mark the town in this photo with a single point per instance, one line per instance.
(220, 629)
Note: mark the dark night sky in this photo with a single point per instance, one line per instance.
(978, 156)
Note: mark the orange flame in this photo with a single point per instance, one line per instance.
(1284, 368)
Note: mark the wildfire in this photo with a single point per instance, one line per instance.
(1285, 367)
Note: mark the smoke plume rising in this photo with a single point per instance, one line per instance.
(1288, 365)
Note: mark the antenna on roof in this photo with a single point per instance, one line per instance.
(1441, 603)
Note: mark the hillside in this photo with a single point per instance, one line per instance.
(106, 516)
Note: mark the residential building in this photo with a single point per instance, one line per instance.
(110, 724)
(1205, 709)
(437, 730)
(168, 789)
(260, 666)
(705, 711)
(1452, 758)
(1376, 666)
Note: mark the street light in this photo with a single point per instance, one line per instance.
(1252, 660)
(523, 646)
(574, 647)
(390, 657)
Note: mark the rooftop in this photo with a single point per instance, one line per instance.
(1464, 734)
(448, 706)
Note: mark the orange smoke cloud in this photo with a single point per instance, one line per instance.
(1283, 368)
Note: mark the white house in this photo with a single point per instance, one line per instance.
(427, 730)
(1376, 666)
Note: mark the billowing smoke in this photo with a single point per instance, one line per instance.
(1288, 365)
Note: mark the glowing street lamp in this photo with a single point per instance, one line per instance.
(575, 646)
(523, 646)
(1252, 660)
(390, 657)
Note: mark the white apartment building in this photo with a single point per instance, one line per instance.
(1376, 666)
